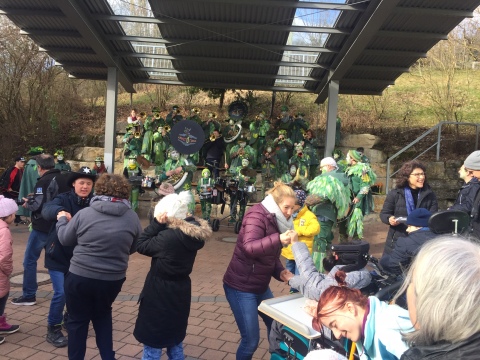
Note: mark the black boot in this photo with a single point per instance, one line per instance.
(55, 336)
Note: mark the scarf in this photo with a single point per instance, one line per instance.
(272, 207)
(110, 199)
(409, 199)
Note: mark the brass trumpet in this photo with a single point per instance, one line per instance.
(137, 134)
(196, 111)
(142, 114)
(156, 115)
(212, 137)
(167, 128)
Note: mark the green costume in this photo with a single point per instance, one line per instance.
(310, 149)
(258, 132)
(283, 147)
(159, 147)
(285, 121)
(61, 164)
(239, 152)
(132, 143)
(173, 116)
(301, 161)
(147, 143)
(132, 169)
(299, 126)
(240, 196)
(268, 161)
(228, 132)
(361, 178)
(333, 200)
(205, 186)
(29, 179)
(210, 125)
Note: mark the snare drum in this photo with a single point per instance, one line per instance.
(220, 184)
(148, 182)
(205, 192)
(217, 197)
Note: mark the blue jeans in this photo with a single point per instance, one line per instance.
(244, 306)
(55, 315)
(173, 353)
(291, 266)
(36, 242)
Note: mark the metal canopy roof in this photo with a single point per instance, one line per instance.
(282, 45)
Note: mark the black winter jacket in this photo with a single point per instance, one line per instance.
(166, 296)
(44, 191)
(465, 350)
(57, 256)
(404, 251)
(466, 196)
(395, 205)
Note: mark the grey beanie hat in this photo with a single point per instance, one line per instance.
(472, 162)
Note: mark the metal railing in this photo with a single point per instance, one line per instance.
(437, 127)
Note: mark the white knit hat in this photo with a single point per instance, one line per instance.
(328, 161)
(7, 206)
(175, 205)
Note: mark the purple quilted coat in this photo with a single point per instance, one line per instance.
(256, 257)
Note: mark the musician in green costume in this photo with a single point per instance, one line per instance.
(299, 126)
(283, 147)
(133, 169)
(258, 132)
(245, 176)
(29, 178)
(204, 189)
(239, 152)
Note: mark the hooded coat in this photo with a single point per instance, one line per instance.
(166, 296)
(6, 258)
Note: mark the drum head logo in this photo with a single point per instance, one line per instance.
(187, 137)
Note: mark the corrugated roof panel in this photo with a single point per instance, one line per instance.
(401, 43)
(441, 4)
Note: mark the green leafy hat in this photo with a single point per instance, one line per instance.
(99, 158)
(355, 155)
(59, 152)
(133, 157)
(155, 109)
(282, 132)
(37, 150)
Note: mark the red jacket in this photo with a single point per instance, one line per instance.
(256, 257)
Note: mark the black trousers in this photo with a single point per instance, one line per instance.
(90, 300)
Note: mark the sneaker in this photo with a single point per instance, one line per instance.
(2, 339)
(10, 330)
(24, 301)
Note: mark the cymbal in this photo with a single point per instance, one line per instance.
(248, 172)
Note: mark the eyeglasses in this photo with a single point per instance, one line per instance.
(418, 175)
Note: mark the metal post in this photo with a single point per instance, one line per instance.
(332, 109)
(131, 99)
(274, 98)
(110, 119)
(476, 137)
(439, 139)
(387, 181)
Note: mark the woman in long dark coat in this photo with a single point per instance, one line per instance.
(172, 241)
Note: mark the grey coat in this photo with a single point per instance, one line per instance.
(312, 284)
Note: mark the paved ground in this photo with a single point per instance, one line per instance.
(212, 333)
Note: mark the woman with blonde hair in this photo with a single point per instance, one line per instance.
(443, 292)
(266, 228)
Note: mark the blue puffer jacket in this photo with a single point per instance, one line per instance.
(57, 256)
(256, 257)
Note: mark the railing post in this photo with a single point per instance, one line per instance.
(387, 181)
(439, 138)
(476, 138)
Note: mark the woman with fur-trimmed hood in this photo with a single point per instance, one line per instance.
(172, 241)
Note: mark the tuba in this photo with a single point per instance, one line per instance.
(236, 133)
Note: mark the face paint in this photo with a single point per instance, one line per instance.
(60, 157)
(231, 122)
(245, 162)
(293, 170)
(98, 164)
(175, 155)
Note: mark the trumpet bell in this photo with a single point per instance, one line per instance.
(212, 137)
(156, 115)
(167, 128)
(143, 114)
